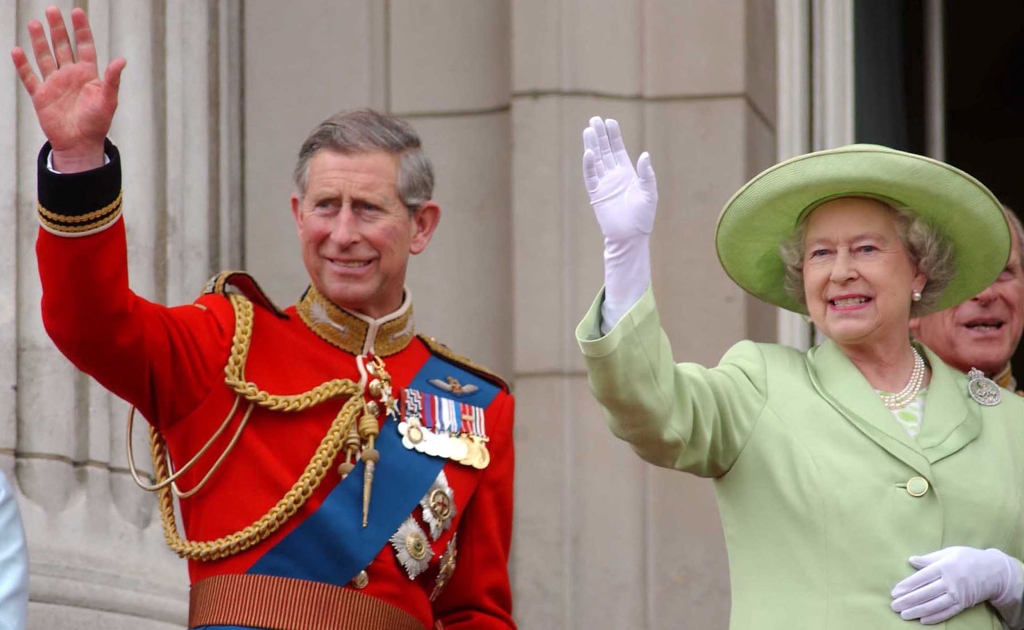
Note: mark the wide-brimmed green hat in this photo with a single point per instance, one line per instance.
(767, 210)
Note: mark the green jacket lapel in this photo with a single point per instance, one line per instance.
(951, 421)
(840, 383)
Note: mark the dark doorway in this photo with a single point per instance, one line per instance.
(983, 56)
(984, 46)
(889, 69)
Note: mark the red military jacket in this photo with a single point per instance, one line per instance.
(170, 364)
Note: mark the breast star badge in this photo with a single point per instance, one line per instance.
(412, 548)
(439, 506)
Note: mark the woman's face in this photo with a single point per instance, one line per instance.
(858, 277)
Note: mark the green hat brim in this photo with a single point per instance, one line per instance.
(767, 210)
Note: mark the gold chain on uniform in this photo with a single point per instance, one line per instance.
(311, 477)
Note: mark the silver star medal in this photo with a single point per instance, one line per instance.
(983, 390)
(412, 548)
(439, 506)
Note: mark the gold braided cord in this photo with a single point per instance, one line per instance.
(322, 460)
(189, 464)
(83, 218)
(234, 371)
(68, 229)
(275, 517)
(220, 460)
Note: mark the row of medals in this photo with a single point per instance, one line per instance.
(466, 448)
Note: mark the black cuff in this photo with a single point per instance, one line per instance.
(78, 203)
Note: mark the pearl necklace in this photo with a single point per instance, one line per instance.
(903, 398)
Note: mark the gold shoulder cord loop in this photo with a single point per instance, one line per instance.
(133, 469)
(220, 460)
(303, 488)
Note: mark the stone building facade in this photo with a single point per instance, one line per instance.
(216, 98)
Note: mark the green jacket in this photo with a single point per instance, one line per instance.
(811, 470)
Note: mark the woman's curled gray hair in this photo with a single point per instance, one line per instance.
(930, 252)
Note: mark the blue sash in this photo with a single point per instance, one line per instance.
(331, 545)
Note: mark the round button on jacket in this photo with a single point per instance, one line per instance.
(917, 487)
(360, 580)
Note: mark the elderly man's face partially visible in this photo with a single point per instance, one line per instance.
(982, 332)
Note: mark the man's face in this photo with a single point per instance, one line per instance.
(982, 332)
(355, 232)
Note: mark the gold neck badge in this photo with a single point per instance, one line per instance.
(354, 333)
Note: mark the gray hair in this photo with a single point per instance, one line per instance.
(365, 131)
(930, 252)
(1016, 227)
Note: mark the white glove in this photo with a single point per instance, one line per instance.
(624, 203)
(951, 580)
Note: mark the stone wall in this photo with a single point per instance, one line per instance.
(97, 555)
(217, 97)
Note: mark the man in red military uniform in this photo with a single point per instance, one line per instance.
(333, 468)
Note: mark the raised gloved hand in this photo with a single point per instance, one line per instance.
(625, 201)
(951, 580)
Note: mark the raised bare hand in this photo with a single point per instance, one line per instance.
(73, 106)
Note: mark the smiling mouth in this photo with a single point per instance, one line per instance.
(989, 326)
(350, 264)
(852, 301)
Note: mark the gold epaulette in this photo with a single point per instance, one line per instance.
(441, 350)
(241, 282)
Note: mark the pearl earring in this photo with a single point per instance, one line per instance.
(916, 296)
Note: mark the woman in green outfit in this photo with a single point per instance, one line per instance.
(863, 484)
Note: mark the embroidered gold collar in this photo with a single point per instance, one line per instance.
(1005, 378)
(355, 333)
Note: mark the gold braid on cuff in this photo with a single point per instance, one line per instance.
(295, 498)
(83, 223)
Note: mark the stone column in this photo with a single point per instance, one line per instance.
(98, 559)
(444, 67)
(604, 540)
